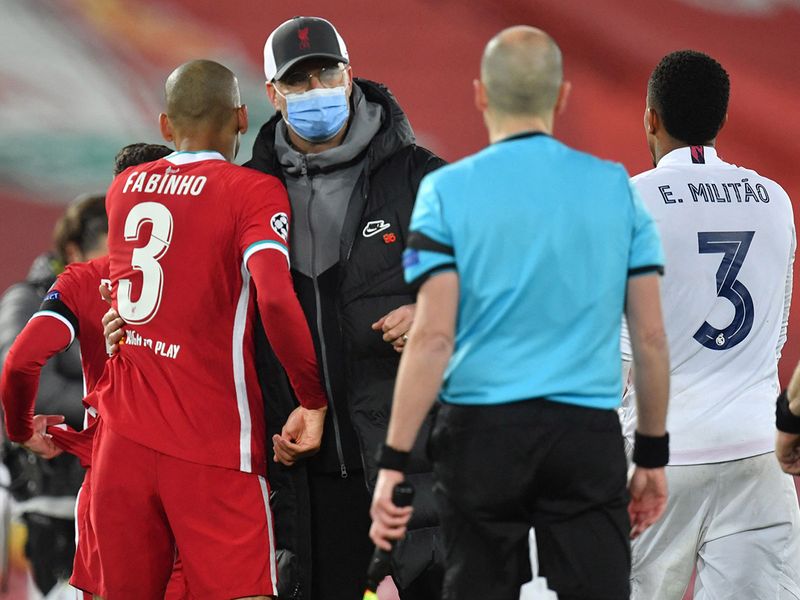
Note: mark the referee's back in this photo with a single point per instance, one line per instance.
(547, 237)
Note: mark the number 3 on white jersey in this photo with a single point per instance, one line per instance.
(145, 259)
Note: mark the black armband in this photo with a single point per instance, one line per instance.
(651, 452)
(785, 420)
(389, 458)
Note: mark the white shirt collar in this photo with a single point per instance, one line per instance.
(688, 155)
(185, 158)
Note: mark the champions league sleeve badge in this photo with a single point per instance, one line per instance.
(280, 225)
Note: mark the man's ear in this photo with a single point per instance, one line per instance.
(652, 122)
(481, 98)
(563, 97)
(272, 96)
(166, 127)
(241, 118)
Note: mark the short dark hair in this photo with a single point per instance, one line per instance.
(83, 223)
(136, 154)
(690, 92)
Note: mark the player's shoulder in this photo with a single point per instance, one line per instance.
(79, 282)
(649, 176)
(247, 176)
(75, 273)
(753, 177)
(99, 267)
(253, 193)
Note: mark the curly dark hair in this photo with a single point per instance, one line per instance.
(690, 92)
(136, 154)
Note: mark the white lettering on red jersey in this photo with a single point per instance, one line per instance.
(181, 231)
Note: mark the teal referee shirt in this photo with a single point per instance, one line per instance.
(544, 239)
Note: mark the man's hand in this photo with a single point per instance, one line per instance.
(787, 445)
(787, 451)
(300, 437)
(648, 489)
(112, 325)
(389, 522)
(41, 442)
(395, 325)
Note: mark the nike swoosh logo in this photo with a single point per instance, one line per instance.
(374, 227)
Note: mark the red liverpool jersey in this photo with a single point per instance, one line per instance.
(76, 292)
(73, 308)
(181, 233)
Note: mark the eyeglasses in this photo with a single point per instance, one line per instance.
(300, 81)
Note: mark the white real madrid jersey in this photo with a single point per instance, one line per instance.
(729, 242)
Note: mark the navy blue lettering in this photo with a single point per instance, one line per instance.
(734, 246)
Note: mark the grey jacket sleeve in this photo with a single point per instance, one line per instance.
(61, 380)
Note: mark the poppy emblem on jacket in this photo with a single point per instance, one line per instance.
(302, 35)
(389, 238)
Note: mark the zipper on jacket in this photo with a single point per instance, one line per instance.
(320, 332)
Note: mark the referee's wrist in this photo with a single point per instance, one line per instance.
(651, 451)
(785, 420)
(392, 459)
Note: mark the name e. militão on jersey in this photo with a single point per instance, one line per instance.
(735, 192)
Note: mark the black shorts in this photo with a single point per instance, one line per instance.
(559, 468)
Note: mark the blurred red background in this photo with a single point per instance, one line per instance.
(83, 78)
(428, 53)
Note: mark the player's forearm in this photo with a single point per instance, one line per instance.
(419, 379)
(288, 333)
(19, 385)
(286, 327)
(18, 391)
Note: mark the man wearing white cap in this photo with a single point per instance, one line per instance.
(348, 157)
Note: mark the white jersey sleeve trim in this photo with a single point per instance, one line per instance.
(242, 401)
(265, 245)
(55, 315)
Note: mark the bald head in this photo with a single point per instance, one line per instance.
(201, 93)
(522, 72)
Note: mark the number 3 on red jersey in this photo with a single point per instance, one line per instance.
(145, 259)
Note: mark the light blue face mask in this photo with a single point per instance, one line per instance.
(319, 114)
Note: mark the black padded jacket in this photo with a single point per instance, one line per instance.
(358, 367)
